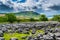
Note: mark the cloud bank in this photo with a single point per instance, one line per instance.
(31, 5)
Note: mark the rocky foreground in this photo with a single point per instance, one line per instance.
(51, 30)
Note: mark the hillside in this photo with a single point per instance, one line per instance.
(26, 13)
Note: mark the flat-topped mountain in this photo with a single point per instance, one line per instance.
(25, 13)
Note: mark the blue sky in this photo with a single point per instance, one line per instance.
(48, 7)
(22, 1)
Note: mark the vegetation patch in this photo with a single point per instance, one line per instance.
(7, 36)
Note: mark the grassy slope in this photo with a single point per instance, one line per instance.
(7, 36)
(24, 14)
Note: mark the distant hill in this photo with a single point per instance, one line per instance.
(26, 13)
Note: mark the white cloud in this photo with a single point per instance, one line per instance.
(29, 4)
(50, 3)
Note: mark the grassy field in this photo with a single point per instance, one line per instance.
(7, 36)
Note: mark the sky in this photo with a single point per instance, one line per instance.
(48, 7)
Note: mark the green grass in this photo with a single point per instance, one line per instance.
(7, 36)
